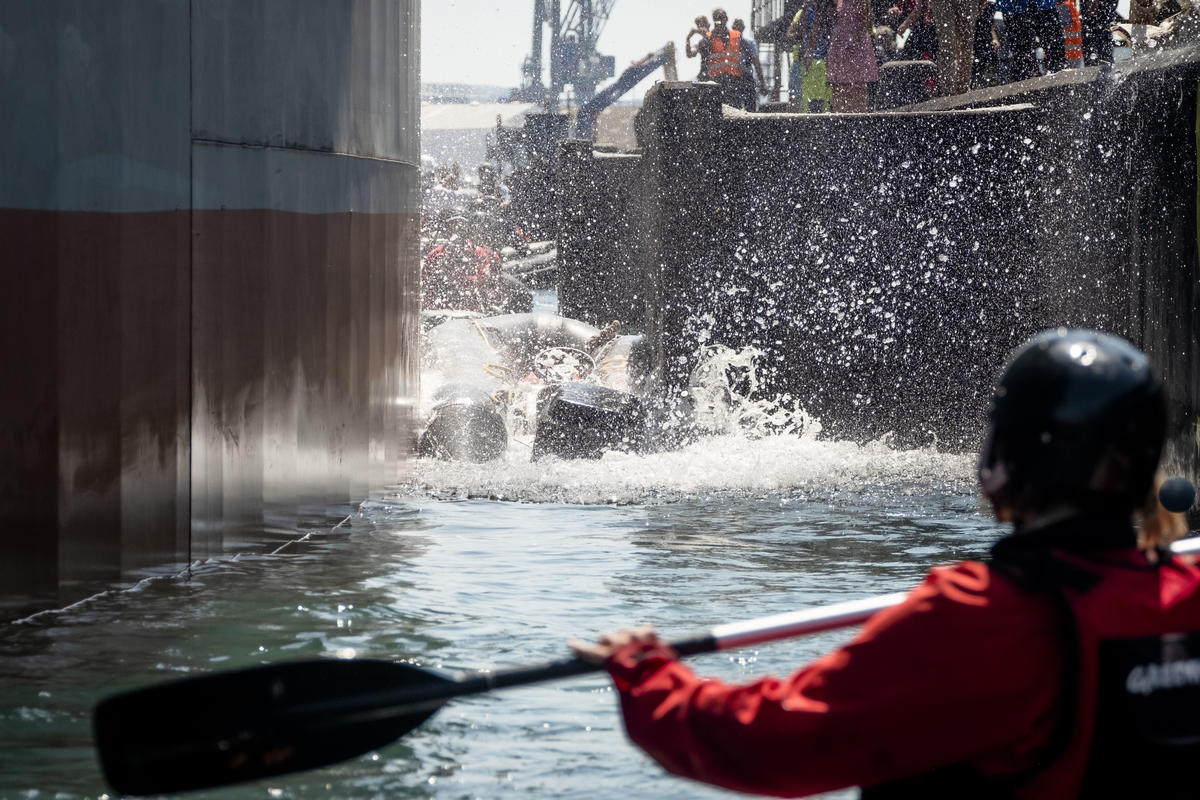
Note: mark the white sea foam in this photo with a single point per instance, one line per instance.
(728, 464)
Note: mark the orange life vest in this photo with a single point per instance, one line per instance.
(1073, 35)
(725, 57)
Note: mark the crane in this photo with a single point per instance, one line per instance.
(585, 120)
(573, 58)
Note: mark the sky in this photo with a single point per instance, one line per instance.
(485, 41)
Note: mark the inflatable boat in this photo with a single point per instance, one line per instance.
(575, 389)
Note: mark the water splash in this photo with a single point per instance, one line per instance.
(748, 446)
(725, 389)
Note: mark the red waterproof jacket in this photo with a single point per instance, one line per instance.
(483, 263)
(969, 671)
(458, 278)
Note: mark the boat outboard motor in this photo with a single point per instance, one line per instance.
(623, 363)
(467, 425)
(521, 337)
(583, 420)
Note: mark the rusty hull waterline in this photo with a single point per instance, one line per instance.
(209, 214)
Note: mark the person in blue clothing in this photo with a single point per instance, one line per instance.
(1029, 23)
(751, 67)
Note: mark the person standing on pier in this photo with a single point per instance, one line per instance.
(955, 21)
(990, 67)
(1098, 16)
(914, 16)
(703, 31)
(850, 64)
(810, 31)
(1072, 22)
(1028, 23)
(724, 51)
(751, 67)
(1064, 666)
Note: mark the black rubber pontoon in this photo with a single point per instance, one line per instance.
(587, 406)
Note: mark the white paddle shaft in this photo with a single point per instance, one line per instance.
(838, 615)
(798, 623)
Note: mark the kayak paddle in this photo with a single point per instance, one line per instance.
(279, 718)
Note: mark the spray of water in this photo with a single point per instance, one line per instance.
(746, 446)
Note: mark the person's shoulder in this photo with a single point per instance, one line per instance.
(970, 585)
(974, 590)
(964, 579)
(960, 599)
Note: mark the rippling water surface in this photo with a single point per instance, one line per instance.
(471, 567)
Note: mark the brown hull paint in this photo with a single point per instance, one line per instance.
(176, 381)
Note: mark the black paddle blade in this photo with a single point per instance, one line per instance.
(255, 723)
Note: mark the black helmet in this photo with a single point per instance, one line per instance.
(1078, 418)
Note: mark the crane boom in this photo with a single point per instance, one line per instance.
(585, 120)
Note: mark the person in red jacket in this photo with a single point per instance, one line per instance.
(1066, 665)
(457, 273)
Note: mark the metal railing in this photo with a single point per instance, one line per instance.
(765, 12)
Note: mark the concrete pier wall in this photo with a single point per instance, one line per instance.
(601, 235)
(884, 264)
(1124, 249)
(869, 257)
(210, 269)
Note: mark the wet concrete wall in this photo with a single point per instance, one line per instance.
(868, 257)
(1122, 183)
(885, 263)
(209, 300)
(601, 239)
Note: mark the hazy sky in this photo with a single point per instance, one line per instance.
(485, 41)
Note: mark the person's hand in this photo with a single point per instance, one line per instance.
(610, 643)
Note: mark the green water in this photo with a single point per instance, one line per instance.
(726, 530)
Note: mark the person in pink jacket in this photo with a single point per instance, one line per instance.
(850, 64)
